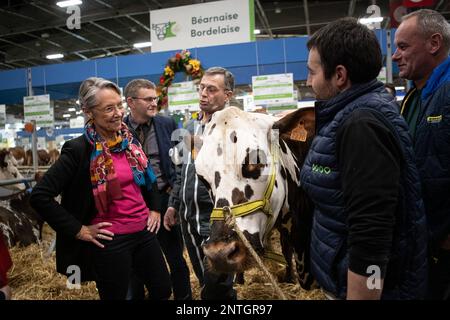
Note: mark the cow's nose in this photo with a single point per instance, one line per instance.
(222, 253)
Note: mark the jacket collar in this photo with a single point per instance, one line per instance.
(440, 75)
(134, 125)
(327, 109)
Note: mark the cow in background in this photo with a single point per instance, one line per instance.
(43, 157)
(19, 154)
(54, 155)
(9, 171)
(19, 222)
(239, 159)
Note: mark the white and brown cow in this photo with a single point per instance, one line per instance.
(242, 154)
(9, 171)
(19, 154)
(19, 223)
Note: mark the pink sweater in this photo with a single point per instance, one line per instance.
(128, 214)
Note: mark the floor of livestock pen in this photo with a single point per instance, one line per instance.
(33, 277)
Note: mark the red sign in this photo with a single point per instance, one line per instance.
(396, 11)
(417, 3)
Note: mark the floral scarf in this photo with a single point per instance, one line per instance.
(105, 184)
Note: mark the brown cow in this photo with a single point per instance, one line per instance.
(43, 157)
(54, 155)
(239, 159)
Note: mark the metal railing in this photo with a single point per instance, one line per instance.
(15, 181)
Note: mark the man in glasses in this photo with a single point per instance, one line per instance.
(154, 133)
(190, 197)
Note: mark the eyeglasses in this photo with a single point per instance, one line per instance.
(148, 99)
(112, 108)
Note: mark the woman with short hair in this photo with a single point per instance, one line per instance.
(107, 221)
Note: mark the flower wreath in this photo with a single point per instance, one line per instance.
(182, 61)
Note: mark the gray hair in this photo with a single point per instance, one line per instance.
(89, 89)
(133, 87)
(227, 76)
(431, 22)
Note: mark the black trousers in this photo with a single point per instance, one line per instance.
(139, 252)
(171, 243)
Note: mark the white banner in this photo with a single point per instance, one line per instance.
(77, 122)
(182, 96)
(2, 116)
(202, 25)
(41, 143)
(38, 108)
(274, 89)
(248, 102)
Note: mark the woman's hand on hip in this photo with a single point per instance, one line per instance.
(153, 221)
(93, 232)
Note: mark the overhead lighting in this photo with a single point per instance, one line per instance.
(71, 109)
(68, 3)
(370, 20)
(55, 56)
(66, 115)
(256, 31)
(142, 44)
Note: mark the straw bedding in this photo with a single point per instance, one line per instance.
(33, 277)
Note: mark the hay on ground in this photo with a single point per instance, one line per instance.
(33, 277)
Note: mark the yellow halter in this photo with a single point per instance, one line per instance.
(246, 208)
(249, 207)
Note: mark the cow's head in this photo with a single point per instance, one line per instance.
(245, 164)
(9, 171)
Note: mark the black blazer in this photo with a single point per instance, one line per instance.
(70, 177)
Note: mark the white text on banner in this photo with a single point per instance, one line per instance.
(202, 25)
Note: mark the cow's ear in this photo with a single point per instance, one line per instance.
(297, 129)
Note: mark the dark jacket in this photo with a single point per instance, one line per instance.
(164, 127)
(432, 148)
(406, 270)
(70, 177)
(190, 196)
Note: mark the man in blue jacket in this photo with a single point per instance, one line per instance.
(155, 132)
(368, 237)
(423, 44)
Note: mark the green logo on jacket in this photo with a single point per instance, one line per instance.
(321, 169)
